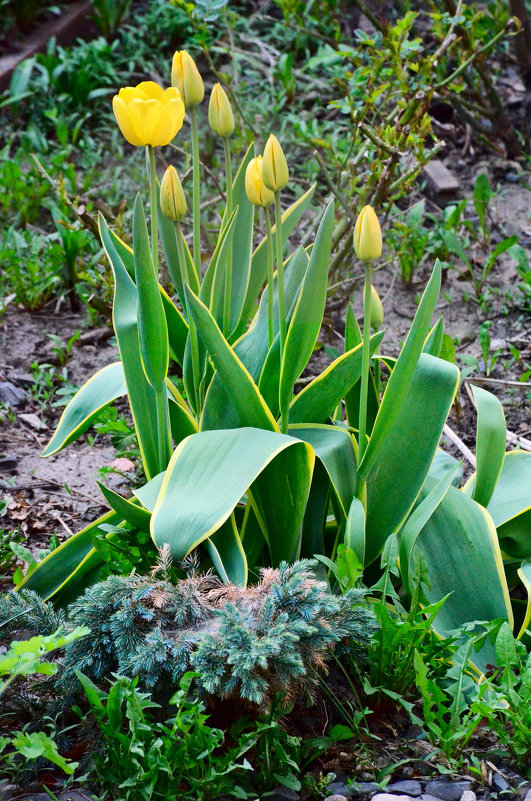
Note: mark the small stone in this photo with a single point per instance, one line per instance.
(389, 797)
(12, 395)
(512, 177)
(364, 788)
(468, 795)
(23, 380)
(8, 461)
(283, 794)
(32, 420)
(336, 798)
(499, 783)
(7, 791)
(448, 791)
(408, 787)
(339, 788)
(528, 795)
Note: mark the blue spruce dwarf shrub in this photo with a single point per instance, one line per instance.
(245, 643)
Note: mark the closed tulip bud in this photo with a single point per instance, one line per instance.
(367, 235)
(275, 171)
(172, 199)
(185, 76)
(257, 193)
(220, 114)
(377, 314)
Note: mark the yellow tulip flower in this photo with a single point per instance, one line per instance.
(172, 198)
(148, 114)
(377, 313)
(220, 116)
(367, 235)
(275, 169)
(256, 190)
(186, 78)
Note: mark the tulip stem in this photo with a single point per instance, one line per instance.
(153, 192)
(280, 290)
(228, 275)
(196, 197)
(362, 444)
(191, 324)
(270, 281)
(163, 427)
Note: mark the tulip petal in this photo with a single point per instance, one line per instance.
(162, 133)
(145, 116)
(151, 89)
(169, 94)
(129, 93)
(122, 117)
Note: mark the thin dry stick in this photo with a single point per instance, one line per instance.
(505, 382)
(467, 453)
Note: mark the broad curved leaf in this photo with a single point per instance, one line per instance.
(459, 544)
(207, 475)
(104, 387)
(318, 400)
(490, 445)
(398, 386)
(402, 461)
(251, 407)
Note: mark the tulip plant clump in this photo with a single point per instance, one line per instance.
(239, 465)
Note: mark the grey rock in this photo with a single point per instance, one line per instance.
(407, 787)
(7, 792)
(12, 395)
(468, 795)
(364, 788)
(339, 788)
(448, 791)
(390, 797)
(528, 795)
(22, 379)
(8, 461)
(499, 783)
(428, 797)
(283, 794)
(336, 798)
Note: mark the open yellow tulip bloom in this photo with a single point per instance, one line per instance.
(220, 114)
(148, 114)
(275, 172)
(257, 192)
(186, 78)
(367, 235)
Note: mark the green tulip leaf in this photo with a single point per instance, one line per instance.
(258, 272)
(398, 386)
(227, 554)
(490, 446)
(207, 475)
(133, 513)
(307, 317)
(140, 393)
(402, 461)
(251, 407)
(105, 386)
(318, 400)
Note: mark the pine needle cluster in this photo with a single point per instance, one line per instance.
(247, 644)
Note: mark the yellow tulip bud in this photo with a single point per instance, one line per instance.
(377, 314)
(275, 169)
(220, 114)
(185, 76)
(148, 114)
(172, 199)
(257, 192)
(367, 235)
